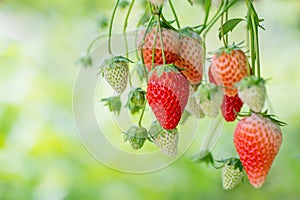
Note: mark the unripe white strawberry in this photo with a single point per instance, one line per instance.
(193, 106)
(166, 140)
(252, 91)
(210, 99)
(232, 173)
(116, 71)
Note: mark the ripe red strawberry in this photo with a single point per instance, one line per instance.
(230, 107)
(190, 56)
(167, 95)
(170, 44)
(229, 68)
(257, 140)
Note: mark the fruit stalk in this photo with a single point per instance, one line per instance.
(111, 25)
(174, 13)
(126, 24)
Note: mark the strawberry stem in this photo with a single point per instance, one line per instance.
(126, 24)
(111, 25)
(142, 45)
(142, 115)
(161, 40)
(174, 13)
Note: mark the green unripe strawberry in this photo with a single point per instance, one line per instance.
(136, 100)
(136, 135)
(232, 173)
(252, 91)
(116, 71)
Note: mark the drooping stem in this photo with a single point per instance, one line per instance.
(226, 19)
(174, 13)
(219, 13)
(161, 40)
(142, 114)
(126, 24)
(142, 46)
(111, 25)
(222, 32)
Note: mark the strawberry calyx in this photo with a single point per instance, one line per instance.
(207, 90)
(250, 81)
(232, 162)
(190, 32)
(114, 104)
(227, 50)
(136, 135)
(207, 159)
(163, 68)
(156, 129)
(112, 63)
(272, 118)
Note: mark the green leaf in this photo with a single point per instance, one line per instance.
(229, 26)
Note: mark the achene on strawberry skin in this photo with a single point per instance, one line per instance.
(257, 140)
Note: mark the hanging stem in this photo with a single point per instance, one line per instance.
(125, 26)
(161, 40)
(142, 115)
(174, 13)
(222, 32)
(142, 46)
(226, 19)
(219, 13)
(257, 51)
(111, 25)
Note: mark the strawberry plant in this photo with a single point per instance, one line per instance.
(174, 76)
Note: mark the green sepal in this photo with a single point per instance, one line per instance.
(207, 91)
(163, 68)
(249, 81)
(137, 136)
(233, 162)
(114, 104)
(85, 60)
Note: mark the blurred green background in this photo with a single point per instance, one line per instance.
(41, 156)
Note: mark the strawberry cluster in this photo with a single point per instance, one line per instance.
(172, 63)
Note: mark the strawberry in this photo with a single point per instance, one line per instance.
(157, 2)
(167, 94)
(230, 107)
(170, 44)
(252, 91)
(136, 135)
(190, 56)
(167, 141)
(211, 76)
(136, 100)
(210, 99)
(116, 70)
(229, 68)
(232, 173)
(257, 140)
(192, 105)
